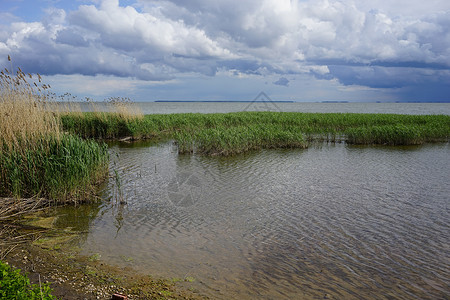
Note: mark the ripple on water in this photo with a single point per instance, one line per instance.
(351, 222)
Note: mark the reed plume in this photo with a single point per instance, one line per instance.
(36, 158)
(24, 110)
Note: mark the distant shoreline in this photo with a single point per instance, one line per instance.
(229, 101)
(291, 101)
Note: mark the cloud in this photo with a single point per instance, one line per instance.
(377, 44)
(6, 18)
(125, 29)
(283, 81)
(111, 40)
(97, 86)
(70, 37)
(388, 77)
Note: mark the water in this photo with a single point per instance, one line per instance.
(224, 107)
(333, 221)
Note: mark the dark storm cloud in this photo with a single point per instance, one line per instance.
(349, 41)
(388, 77)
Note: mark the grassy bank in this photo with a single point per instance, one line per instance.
(36, 158)
(231, 133)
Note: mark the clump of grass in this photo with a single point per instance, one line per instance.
(60, 169)
(116, 117)
(36, 157)
(233, 140)
(387, 134)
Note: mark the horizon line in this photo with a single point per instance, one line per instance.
(293, 101)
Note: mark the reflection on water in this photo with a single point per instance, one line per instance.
(332, 221)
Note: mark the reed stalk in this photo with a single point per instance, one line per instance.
(36, 158)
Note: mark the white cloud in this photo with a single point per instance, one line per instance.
(414, 9)
(365, 43)
(124, 28)
(100, 86)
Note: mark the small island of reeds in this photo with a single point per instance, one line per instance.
(233, 133)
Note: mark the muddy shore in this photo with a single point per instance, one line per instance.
(45, 254)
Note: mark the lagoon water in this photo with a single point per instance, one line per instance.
(224, 107)
(332, 221)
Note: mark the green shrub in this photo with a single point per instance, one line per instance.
(14, 285)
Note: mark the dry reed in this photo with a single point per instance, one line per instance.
(24, 113)
(125, 108)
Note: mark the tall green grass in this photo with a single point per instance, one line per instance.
(237, 139)
(64, 169)
(36, 157)
(230, 133)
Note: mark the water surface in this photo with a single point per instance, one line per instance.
(307, 107)
(334, 220)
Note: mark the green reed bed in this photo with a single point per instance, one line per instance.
(60, 169)
(103, 125)
(36, 158)
(231, 133)
(238, 139)
(95, 125)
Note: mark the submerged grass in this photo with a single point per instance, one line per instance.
(231, 133)
(36, 157)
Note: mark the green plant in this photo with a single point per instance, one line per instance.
(64, 169)
(36, 157)
(14, 285)
(231, 133)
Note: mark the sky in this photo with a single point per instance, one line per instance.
(300, 50)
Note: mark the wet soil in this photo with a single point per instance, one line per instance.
(45, 255)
